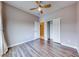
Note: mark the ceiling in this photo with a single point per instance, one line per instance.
(26, 5)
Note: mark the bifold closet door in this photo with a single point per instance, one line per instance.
(56, 30)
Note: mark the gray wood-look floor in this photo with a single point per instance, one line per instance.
(41, 48)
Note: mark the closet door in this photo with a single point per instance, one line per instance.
(56, 30)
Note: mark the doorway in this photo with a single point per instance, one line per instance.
(48, 30)
(42, 30)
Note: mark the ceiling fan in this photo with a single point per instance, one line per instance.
(41, 6)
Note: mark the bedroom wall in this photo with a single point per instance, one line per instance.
(36, 29)
(18, 25)
(77, 25)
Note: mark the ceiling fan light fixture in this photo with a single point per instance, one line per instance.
(39, 9)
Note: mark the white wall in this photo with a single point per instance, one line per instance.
(77, 25)
(18, 25)
(36, 29)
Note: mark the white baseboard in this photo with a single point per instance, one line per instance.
(20, 43)
(75, 47)
(69, 45)
(1, 54)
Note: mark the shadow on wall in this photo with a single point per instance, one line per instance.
(4, 23)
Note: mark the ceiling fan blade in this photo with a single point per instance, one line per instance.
(33, 8)
(46, 6)
(38, 2)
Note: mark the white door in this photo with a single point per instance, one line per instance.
(36, 30)
(55, 30)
